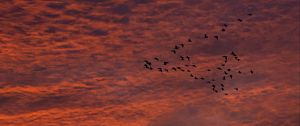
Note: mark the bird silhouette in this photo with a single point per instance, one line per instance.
(165, 63)
(249, 14)
(208, 70)
(230, 76)
(176, 47)
(178, 67)
(156, 58)
(188, 58)
(216, 91)
(240, 20)
(217, 37)
(223, 30)
(239, 72)
(160, 69)
(225, 73)
(225, 94)
(173, 68)
(228, 69)
(219, 68)
(222, 64)
(166, 70)
(188, 70)
(236, 89)
(182, 58)
(189, 40)
(191, 75)
(224, 78)
(174, 51)
(205, 36)
(222, 89)
(202, 78)
(182, 45)
(251, 71)
(232, 53)
(225, 25)
(195, 78)
(194, 66)
(225, 59)
(222, 85)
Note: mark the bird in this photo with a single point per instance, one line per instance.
(228, 69)
(249, 14)
(225, 94)
(182, 45)
(217, 37)
(213, 86)
(182, 58)
(191, 75)
(251, 71)
(195, 78)
(236, 89)
(174, 51)
(222, 85)
(226, 58)
(202, 78)
(219, 68)
(232, 53)
(225, 25)
(160, 69)
(216, 91)
(176, 47)
(240, 20)
(166, 70)
(208, 70)
(222, 29)
(189, 40)
(239, 72)
(230, 76)
(222, 64)
(208, 82)
(173, 68)
(205, 36)
(156, 58)
(222, 89)
(188, 58)
(178, 67)
(186, 65)
(225, 73)
(165, 63)
(212, 79)
(224, 78)
(188, 70)
(194, 66)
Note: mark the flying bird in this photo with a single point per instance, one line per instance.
(251, 71)
(223, 30)
(232, 53)
(173, 68)
(176, 47)
(188, 58)
(217, 37)
(205, 36)
(174, 51)
(182, 45)
(156, 58)
(189, 40)
(165, 63)
(219, 68)
(225, 25)
(230, 76)
(239, 72)
(236, 89)
(240, 20)
(194, 66)
(182, 58)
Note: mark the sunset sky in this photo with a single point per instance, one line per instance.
(80, 62)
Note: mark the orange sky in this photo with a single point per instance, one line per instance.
(80, 62)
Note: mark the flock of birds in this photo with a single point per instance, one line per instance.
(225, 71)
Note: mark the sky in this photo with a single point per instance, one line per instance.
(80, 62)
